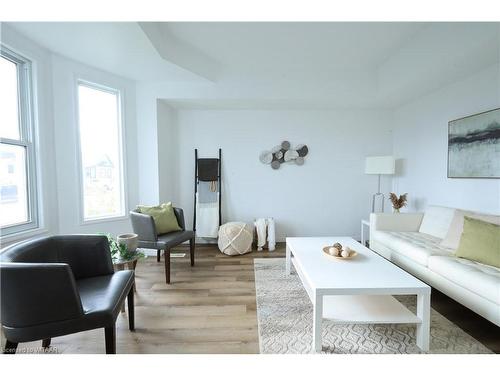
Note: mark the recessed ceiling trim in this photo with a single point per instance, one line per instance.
(179, 53)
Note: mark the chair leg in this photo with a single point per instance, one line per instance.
(158, 255)
(46, 343)
(167, 266)
(191, 250)
(10, 347)
(110, 339)
(131, 312)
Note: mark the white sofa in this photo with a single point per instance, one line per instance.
(414, 241)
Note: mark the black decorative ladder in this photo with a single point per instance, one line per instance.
(207, 169)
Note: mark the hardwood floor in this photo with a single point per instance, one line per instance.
(208, 308)
(211, 308)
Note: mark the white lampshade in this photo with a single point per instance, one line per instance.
(380, 165)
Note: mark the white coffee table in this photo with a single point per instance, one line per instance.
(359, 290)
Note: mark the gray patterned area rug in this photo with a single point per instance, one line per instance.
(285, 323)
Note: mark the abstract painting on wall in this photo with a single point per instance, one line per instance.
(474, 146)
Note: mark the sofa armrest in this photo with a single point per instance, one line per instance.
(404, 222)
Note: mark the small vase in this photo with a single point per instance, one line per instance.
(396, 210)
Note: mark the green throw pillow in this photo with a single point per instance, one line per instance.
(163, 216)
(480, 242)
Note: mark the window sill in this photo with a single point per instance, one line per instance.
(104, 220)
(9, 239)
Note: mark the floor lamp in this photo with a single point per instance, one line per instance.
(379, 165)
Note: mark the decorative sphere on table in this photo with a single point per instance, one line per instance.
(345, 253)
(333, 251)
(337, 246)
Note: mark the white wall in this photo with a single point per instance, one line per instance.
(44, 131)
(65, 74)
(156, 144)
(147, 145)
(167, 151)
(420, 140)
(328, 195)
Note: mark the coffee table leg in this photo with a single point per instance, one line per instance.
(317, 321)
(423, 328)
(288, 260)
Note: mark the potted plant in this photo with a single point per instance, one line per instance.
(120, 251)
(131, 240)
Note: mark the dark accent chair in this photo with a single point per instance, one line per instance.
(144, 226)
(55, 286)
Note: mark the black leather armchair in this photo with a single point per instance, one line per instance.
(59, 285)
(144, 226)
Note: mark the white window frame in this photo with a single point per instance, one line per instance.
(26, 140)
(121, 149)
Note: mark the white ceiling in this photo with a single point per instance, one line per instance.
(267, 65)
(295, 47)
(118, 47)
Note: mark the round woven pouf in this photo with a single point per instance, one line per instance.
(235, 238)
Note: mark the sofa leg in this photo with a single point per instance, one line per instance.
(110, 339)
(131, 312)
(10, 347)
(46, 343)
(158, 255)
(191, 250)
(167, 266)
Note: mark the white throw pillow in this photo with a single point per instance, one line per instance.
(436, 221)
(452, 239)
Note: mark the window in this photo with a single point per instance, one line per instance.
(18, 203)
(100, 151)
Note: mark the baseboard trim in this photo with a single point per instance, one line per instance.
(185, 246)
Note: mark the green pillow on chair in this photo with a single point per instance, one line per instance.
(480, 242)
(163, 216)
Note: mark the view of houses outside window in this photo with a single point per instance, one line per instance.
(101, 154)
